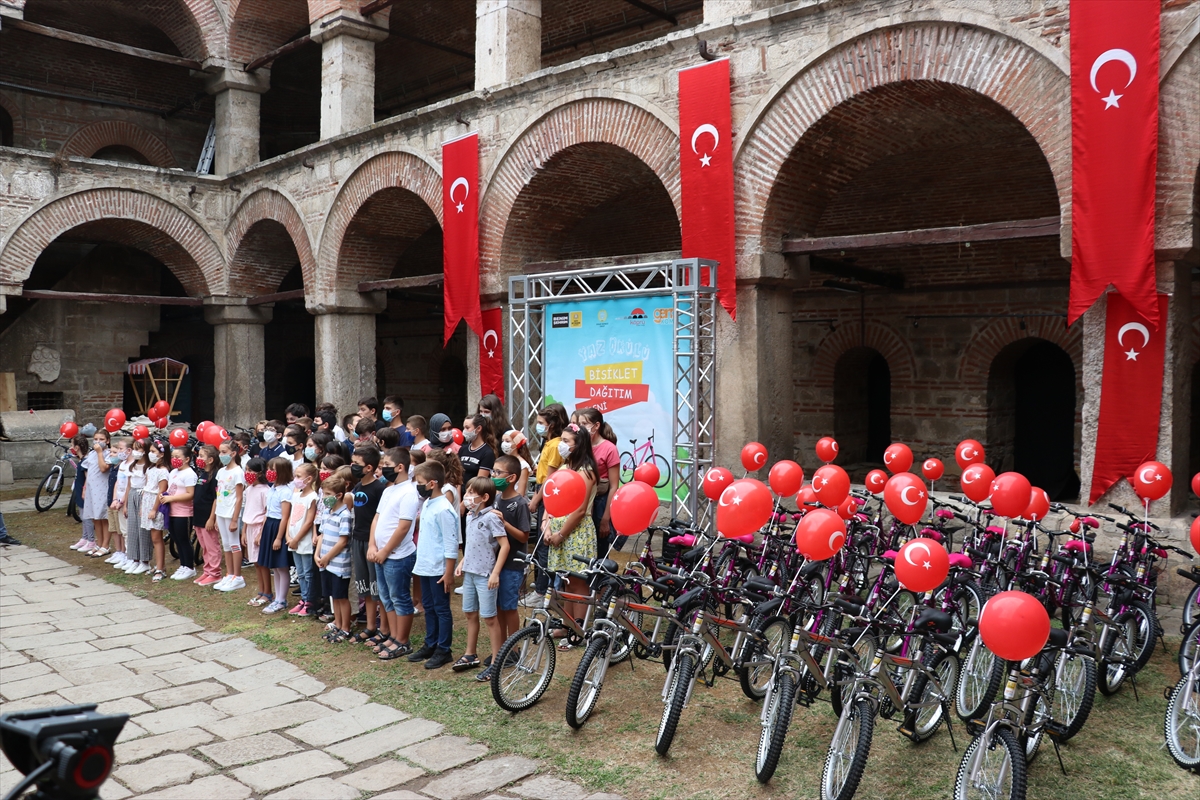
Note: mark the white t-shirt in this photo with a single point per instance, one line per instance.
(300, 504)
(137, 476)
(154, 476)
(228, 479)
(397, 503)
(122, 480)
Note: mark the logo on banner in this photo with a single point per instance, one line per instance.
(466, 193)
(560, 320)
(1116, 54)
(637, 317)
(602, 318)
(710, 129)
(1131, 354)
(662, 315)
(576, 319)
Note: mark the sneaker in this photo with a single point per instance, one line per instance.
(421, 655)
(532, 599)
(114, 558)
(273, 608)
(139, 568)
(208, 580)
(246, 564)
(458, 590)
(127, 566)
(183, 574)
(88, 547)
(221, 584)
(439, 659)
(235, 582)
(299, 609)
(79, 544)
(120, 561)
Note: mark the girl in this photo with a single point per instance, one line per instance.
(418, 429)
(574, 534)
(231, 482)
(550, 423)
(119, 458)
(608, 474)
(316, 447)
(153, 517)
(479, 453)
(272, 550)
(79, 451)
(333, 555)
(452, 486)
(255, 514)
(202, 512)
(137, 539)
(441, 433)
(300, 534)
(181, 491)
(95, 492)
(491, 407)
(515, 444)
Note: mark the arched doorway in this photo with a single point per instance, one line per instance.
(1031, 416)
(6, 128)
(862, 406)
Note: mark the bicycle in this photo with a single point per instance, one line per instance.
(1181, 722)
(644, 454)
(49, 490)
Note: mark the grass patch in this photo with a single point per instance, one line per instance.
(1117, 756)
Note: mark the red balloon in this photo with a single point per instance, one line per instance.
(647, 473)
(1039, 505)
(898, 458)
(933, 469)
(161, 422)
(831, 484)
(214, 434)
(1196, 483)
(1195, 534)
(876, 480)
(976, 482)
(848, 508)
(201, 429)
(807, 499)
(457, 436)
(715, 482)
(179, 437)
(69, 429)
(754, 457)
(1010, 494)
(114, 419)
(744, 507)
(634, 507)
(968, 452)
(160, 410)
(1014, 625)
(827, 449)
(140, 432)
(786, 478)
(906, 497)
(820, 534)
(1152, 480)
(564, 492)
(922, 565)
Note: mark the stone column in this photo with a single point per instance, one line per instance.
(239, 359)
(345, 346)
(508, 40)
(236, 95)
(347, 71)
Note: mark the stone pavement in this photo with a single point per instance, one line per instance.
(214, 718)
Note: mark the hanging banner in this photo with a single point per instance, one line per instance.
(1114, 151)
(1130, 392)
(460, 234)
(491, 354)
(706, 173)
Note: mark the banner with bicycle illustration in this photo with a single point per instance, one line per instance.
(615, 355)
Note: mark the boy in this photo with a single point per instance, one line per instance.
(514, 509)
(333, 556)
(368, 409)
(480, 570)
(437, 554)
(272, 445)
(364, 466)
(393, 415)
(394, 553)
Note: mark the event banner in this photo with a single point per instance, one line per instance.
(460, 233)
(491, 354)
(615, 355)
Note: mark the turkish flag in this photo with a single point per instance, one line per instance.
(706, 172)
(460, 233)
(491, 354)
(1130, 392)
(1114, 151)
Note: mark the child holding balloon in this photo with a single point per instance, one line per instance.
(549, 427)
(573, 533)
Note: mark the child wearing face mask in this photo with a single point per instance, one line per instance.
(231, 482)
(367, 492)
(484, 555)
(95, 492)
(254, 515)
(153, 512)
(333, 555)
(300, 534)
(202, 515)
(120, 486)
(181, 491)
(514, 443)
(272, 442)
(272, 547)
(550, 423)
(393, 551)
(418, 429)
(138, 549)
(437, 556)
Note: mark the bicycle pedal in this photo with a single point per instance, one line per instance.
(903, 730)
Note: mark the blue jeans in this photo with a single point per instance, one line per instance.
(541, 578)
(439, 622)
(3, 529)
(304, 576)
(394, 577)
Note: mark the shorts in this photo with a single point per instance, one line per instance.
(122, 521)
(395, 584)
(366, 579)
(477, 596)
(253, 532)
(509, 593)
(334, 586)
(230, 541)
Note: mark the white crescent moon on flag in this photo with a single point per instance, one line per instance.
(904, 495)
(1133, 326)
(466, 188)
(1116, 54)
(492, 334)
(706, 128)
(1142, 475)
(908, 551)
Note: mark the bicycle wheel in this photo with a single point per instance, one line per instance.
(73, 510)
(1146, 632)
(1000, 773)
(979, 680)
(924, 722)
(623, 642)
(664, 471)
(628, 465)
(1181, 724)
(1039, 714)
(1189, 649)
(847, 757)
(49, 489)
(681, 683)
(1118, 649)
(778, 715)
(1074, 694)
(589, 677)
(864, 648)
(1076, 596)
(526, 665)
(759, 659)
(1191, 608)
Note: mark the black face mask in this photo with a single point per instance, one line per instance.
(356, 470)
(389, 474)
(424, 491)
(289, 448)
(260, 437)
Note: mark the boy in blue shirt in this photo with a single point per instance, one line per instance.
(437, 555)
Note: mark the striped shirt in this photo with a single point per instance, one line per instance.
(337, 524)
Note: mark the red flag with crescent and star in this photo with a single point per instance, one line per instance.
(1130, 392)
(1114, 151)
(460, 234)
(706, 172)
(491, 354)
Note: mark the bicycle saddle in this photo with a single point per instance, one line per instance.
(811, 568)
(930, 533)
(1076, 546)
(683, 540)
(933, 620)
(760, 583)
(608, 565)
(961, 560)
(997, 530)
(890, 555)
(944, 513)
(1058, 638)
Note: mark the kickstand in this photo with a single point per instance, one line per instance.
(949, 726)
(1133, 683)
(1058, 753)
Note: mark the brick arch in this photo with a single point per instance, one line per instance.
(398, 170)
(107, 132)
(578, 121)
(1178, 184)
(996, 334)
(1013, 74)
(884, 339)
(257, 26)
(265, 237)
(124, 216)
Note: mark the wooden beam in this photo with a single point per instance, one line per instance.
(658, 12)
(101, 44)
(96, 297)
(843, 270)
(276, 297)
(267, 58)
(986, 232)
(427, 43)
(415, 282)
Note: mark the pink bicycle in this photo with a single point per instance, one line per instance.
(644, 454)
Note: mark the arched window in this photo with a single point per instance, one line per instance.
(862, 405)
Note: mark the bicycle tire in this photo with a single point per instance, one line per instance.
(1191, 608)
(866, 647)
(73, 509)
(535, 657)
(855, 728)
(1010, 762)
(1183, 708)
(51, 494)
(627, 464)
(1074, 694)
(1078, 593)
(624, 641)
(1189, 648)
(664, 471)
(1043, 706)
(979, 679)
(754, 679)
(774, 732)
(1148, 632)
(587, 682)
(924, 722)
(681, 683)
(685, 615)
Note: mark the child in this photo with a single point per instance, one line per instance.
(368, 490)
(437, 554)
(153, 516)
(418, 429)
(79, 451)
(202, 511)
(514, 443)
(181, 491)
(300, 534)
(231, 482)
(272, 447)
(393, 550)
(480, 570)
(550, 423)
(95, 492)
(254, 515)
(272, 550)
(514, 509)
(333, 555)
(137, 539)
(116, 520)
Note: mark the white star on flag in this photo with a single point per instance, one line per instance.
(737, 500)
(704, 159)
(1131, 355)
(460, 207)
(1111, 100)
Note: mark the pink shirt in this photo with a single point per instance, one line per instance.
(179, 480)
(254, 504)
(606, 456)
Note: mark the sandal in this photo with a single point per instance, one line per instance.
(396, 652)
(465, 662)
(339, 637)
(259, 599)
(100, 552)
(364, 636)
(564, 646)
(158, 575)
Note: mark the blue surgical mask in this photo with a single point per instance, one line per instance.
(387, 415)
(310, 453)
(540, 428)
(225, 459)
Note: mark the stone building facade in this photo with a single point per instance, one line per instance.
(850, 117)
